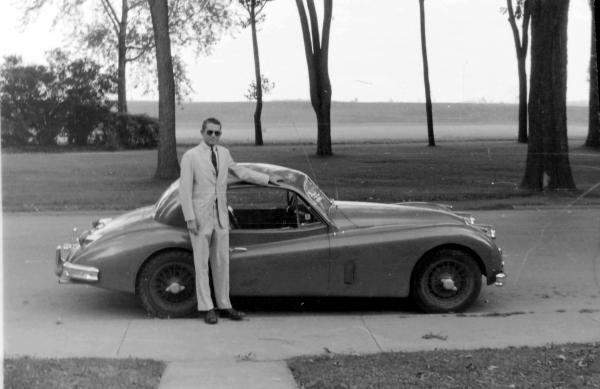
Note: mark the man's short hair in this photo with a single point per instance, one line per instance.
(210, 120)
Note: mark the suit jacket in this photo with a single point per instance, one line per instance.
(200, 187)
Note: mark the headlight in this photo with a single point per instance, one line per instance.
(92, 237)
(66, 251)
(88, 237)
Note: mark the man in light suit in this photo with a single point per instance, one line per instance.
(202, 192)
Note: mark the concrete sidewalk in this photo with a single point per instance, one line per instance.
(265, 368)
(252, 353)
(226, 374)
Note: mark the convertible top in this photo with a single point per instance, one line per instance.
(293, 178)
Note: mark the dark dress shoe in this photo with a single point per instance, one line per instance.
(232, 314)
(211, 317)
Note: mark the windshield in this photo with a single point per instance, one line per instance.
(315, 194)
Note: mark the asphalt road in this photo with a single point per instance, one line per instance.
(552, 295)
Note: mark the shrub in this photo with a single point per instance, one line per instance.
(126, 131)
(30, 109)
(82, 121)
(142, 132)
(14, 132)
(39, 103)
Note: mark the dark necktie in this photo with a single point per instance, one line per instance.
(213, 158)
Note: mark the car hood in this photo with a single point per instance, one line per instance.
(351, 214)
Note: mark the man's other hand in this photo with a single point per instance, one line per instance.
(192, 227)
(276, 179)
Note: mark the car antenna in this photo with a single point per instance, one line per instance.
(305, 153)
(337, 195)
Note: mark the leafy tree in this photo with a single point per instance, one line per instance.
(167, 166)
(266, 88)
(40, 102)
(547, 152)
(185, 23)
(254, 9)
(521, 40)
(123, 31)
(83, 89)
(317, 59)
(428, 108)
(29, 104)
(593, 137)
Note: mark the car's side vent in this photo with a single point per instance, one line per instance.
(349, 272)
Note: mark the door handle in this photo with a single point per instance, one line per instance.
(238, 250)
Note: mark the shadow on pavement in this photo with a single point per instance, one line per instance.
(360, 305)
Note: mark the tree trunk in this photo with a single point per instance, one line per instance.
(121, 60)
(547, 153)
(167, 166)
(521, 47)
(428, 107)
(593, 137)
(258, 139)
(522, 136)
(323, 110)
(317, 60)
(324, 129)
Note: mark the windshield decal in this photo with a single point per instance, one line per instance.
(316, 194)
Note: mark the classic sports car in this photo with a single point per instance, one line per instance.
(292, 240)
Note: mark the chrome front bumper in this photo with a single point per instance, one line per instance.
(67, 271)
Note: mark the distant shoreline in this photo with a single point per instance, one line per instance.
(301, 112)
(574, 103)
(294, 121)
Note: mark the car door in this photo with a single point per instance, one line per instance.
(279, 245)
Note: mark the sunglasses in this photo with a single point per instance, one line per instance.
(211, 133)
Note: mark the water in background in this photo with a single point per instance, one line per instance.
(294, 121)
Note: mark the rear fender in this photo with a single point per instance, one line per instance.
(120, 257)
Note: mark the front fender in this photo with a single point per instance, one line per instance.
(481, 246)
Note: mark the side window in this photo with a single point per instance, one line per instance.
(306, 215)
(255, 207)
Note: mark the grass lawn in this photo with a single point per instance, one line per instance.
(564, 366)
(467, 174)
(89, 373)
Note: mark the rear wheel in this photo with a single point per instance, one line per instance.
(166, 285)
(448, 280)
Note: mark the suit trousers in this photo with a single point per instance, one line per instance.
(211, 243)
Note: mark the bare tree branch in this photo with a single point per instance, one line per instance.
(314, 24)
(326, 26)
(112, 16)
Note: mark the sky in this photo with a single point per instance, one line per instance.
(375, 52)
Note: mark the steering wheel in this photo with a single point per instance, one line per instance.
(233, 220)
